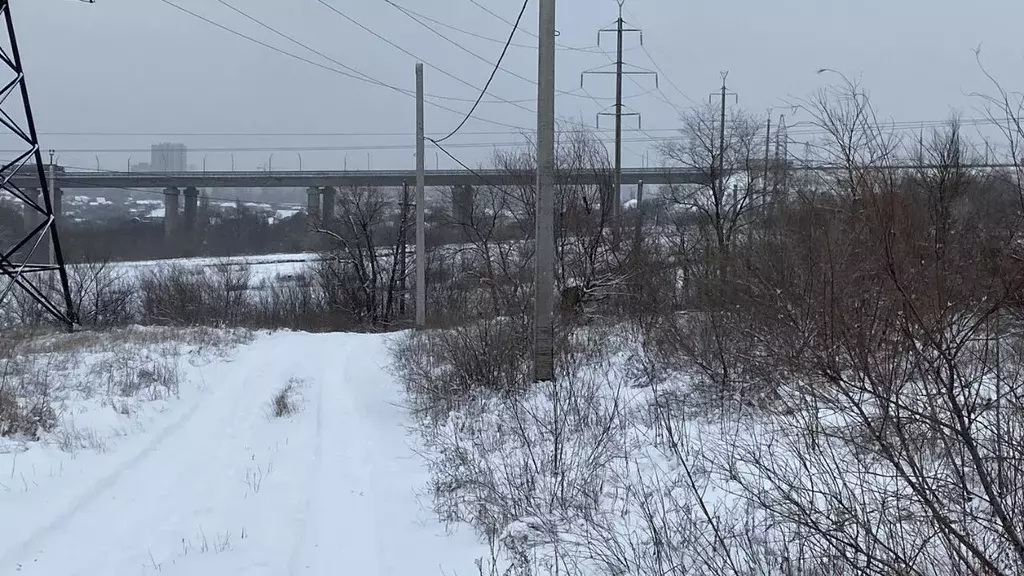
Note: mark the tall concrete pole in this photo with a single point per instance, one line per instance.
(404, 254)
(421, 220)
(57, 207)
(544, 278)
(639, 231)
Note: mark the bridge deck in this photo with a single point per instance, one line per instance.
(307, 179)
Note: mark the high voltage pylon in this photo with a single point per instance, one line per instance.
(724, 95)
(35, 255)
(612, 201)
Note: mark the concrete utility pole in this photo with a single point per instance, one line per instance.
(404, 255)
(638, 233)
(421, 221)
(544, 273)
(767, 152)
(57, 206)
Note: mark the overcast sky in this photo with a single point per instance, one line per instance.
(140, 66)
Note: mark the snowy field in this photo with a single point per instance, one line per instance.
(266, 267)
(188, 471)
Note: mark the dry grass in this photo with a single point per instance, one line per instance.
(45, 375)
(286, 401)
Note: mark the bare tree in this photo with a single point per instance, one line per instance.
(888, 449)
(359, 277)
(724, 202)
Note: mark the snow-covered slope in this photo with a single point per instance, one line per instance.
(216, 485)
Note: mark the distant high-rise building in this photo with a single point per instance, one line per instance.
(168, 157)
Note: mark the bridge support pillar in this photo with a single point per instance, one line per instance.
(462, 204)
(191, 209)
(313, 205)
(172, 199)
(329, 206)
(33, 219)
(204, 211)
(58, 218)
(57, 198)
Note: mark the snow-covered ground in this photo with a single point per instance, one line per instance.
(266, 267)
(208, 481)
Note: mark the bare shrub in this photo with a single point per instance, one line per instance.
(864, 329)
(178, 295)
(361, 278)
(26, 398)
(138, 372)
(298, 306)
(895, 424)
(102, 295)
(442, 369)
(173, 295)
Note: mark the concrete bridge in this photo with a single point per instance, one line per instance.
(319, 179)
(321, 186)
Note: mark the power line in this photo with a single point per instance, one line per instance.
(467, 168)
(648, 137)
(481, 36)
(588, 50)
(497, 66)
(515, 26)
(369, 78)
(456, 28)
(903, 125)
(364, 78)
(658, 68)
(408, 53)
(307, 47)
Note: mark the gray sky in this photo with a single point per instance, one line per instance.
(140, 66)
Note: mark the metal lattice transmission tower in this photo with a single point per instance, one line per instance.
(31, 260)
(612, 200)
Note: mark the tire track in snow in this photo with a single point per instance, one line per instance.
(101, 486)
(109, 493)
(296, 563)
(343, 501)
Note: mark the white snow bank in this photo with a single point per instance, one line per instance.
(210, 483)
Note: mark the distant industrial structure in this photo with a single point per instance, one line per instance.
(168, 157)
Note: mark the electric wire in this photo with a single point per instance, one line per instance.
(497, 66)
(412, 55)
(588, 50)
(437, 22)
(479, 57)
(366, 79)
(899, 127)
(656, 66)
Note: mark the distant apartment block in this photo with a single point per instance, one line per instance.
(168, 157)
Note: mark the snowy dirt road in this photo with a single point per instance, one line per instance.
(220, 487)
